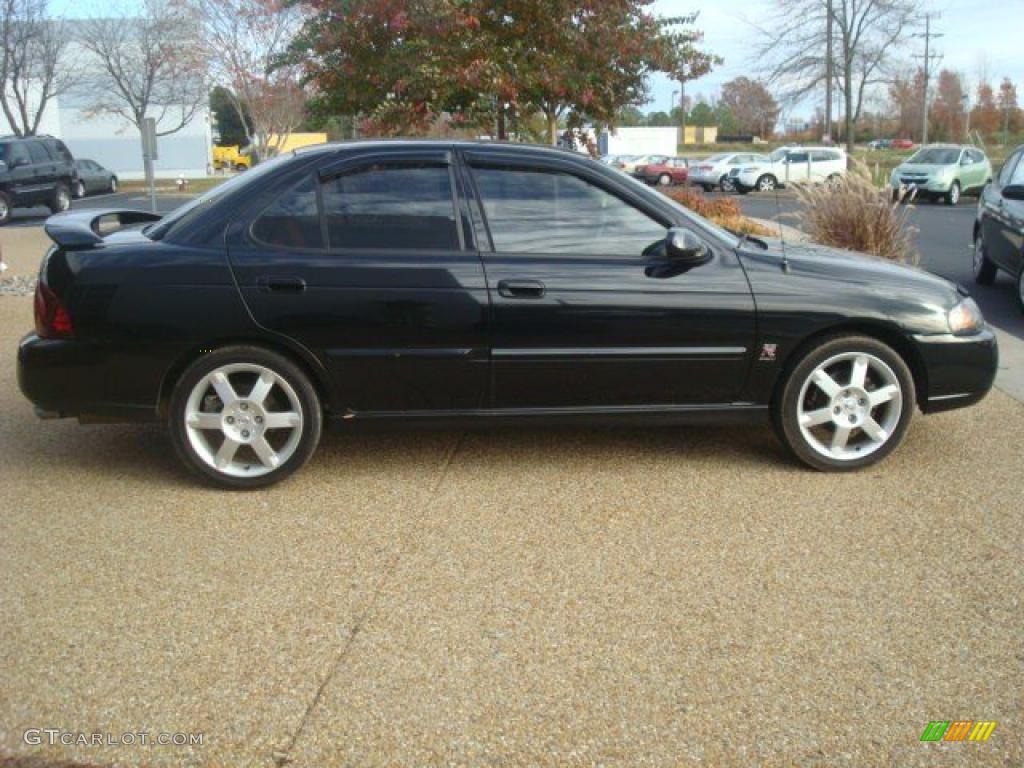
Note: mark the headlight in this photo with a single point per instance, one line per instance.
(965, 318)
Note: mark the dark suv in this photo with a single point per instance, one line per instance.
(37, 170)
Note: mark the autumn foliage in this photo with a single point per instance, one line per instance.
(724, 211)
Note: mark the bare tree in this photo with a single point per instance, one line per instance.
(33, 63)
(150, 65)
(866, 33)
(247, 41)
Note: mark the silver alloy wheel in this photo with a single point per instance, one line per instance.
(664, 180)
(979, 254)
(4, 210)
(113, 185)
(238, 434)
(79, 189)
(63, 199)
(766, 184)
(954, 194)
(851, 420)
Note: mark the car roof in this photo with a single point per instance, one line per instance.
(370, 144)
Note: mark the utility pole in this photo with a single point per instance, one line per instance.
(828, 70)
(682, 109)
(928, 56)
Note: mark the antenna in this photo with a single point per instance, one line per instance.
(778, 220)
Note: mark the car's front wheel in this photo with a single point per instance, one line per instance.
(664, 180)
(766, 183)
(846, 404)
(5, 208)
(984, 269)
(244, 417)
(952, 197)
(113, 183)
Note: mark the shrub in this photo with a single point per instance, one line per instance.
(854, 214)
(723, 211)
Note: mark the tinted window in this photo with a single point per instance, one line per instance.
(545, 212)
(823, 156)
(1018, 174)
(293, 220)
(1007, 170)
(38, 152)
(406, 207)
(797, 157)
(17, 152)
(936, 156)
(58, 150)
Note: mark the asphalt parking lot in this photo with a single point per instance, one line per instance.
(529, 597)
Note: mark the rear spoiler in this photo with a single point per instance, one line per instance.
(85, 229)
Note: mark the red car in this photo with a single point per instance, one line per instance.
(669, 170)
(902, 144)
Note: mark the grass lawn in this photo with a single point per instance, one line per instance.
(167, 186)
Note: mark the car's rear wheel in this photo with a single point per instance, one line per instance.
(1020, 290)
(664, 180)
(766, 183)
(244, 417)
(79, 189)
(5, 208)
(953, 196)
(984, 270)
(113, 183)
(846, 404)
(60, 200)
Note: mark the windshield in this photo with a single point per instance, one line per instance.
(717, 158)
(936, 156)
(778, 154)
(158, 230)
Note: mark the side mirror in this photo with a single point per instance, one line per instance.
(1014, 192)
(682, 245)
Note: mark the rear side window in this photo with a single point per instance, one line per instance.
(550, 212)
(293, 220)
(58, 150)
(391, 206)
(797, 157)
(38, 152)
(1007, 171)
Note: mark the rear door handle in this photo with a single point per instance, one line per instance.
(281, 284)
(521, 289)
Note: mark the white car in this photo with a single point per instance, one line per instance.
(712, 172)
(790, 165)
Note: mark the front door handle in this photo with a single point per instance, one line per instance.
(281, 284)
(521, 289)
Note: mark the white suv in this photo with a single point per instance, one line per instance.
(790, 165)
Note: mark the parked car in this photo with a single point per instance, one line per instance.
(901, 144)
(999, 227)
(790, 165)
(712, 172)
(942, 171)
(34, 171)
(465, 282)
(629, 163)
(670, 170)
(610, 159)
(91, 177)
(880, 144)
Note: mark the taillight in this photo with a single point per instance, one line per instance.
(52, 318)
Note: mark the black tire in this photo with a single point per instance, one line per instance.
(953, 196)
(708, 188)
(787, 405)
(301, 388)
(725, 185)
(766, 183)
(740, 190)
(984, 270)
(5, 208)
(60, 200)
(1020, 290)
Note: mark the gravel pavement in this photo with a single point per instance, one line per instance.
(529, 597)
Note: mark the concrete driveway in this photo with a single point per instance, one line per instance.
(528, 597)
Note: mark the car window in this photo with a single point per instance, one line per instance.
(16, 152)
(405, 207)
(967, 158)
(822, 156)
(293, 220)
(58, 150)
(1018, 173)
(976, 156)
(935, 156)
(38, 152)
(797, 157)
(532, 211)
(1006, 173)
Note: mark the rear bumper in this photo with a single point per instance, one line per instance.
(960, 369)
(65, 377)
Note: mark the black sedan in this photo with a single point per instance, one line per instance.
(999, 228)
(92, 178)
(474, 282)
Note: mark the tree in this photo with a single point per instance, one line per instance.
(866, 33)
(947, 110)
(752, 106)
(985, 116)
(702, 114)
(247, 40)
(629, 116)
(659, 119)
(230, 127)
(1008, 106)
(150, 65)
(34, 68)
(404, 63)
(905, 99)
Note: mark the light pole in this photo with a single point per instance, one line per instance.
(672, 101)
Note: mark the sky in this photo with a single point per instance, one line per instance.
(974, 30)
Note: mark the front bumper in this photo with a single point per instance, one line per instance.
(924, 185)
(960, 370)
